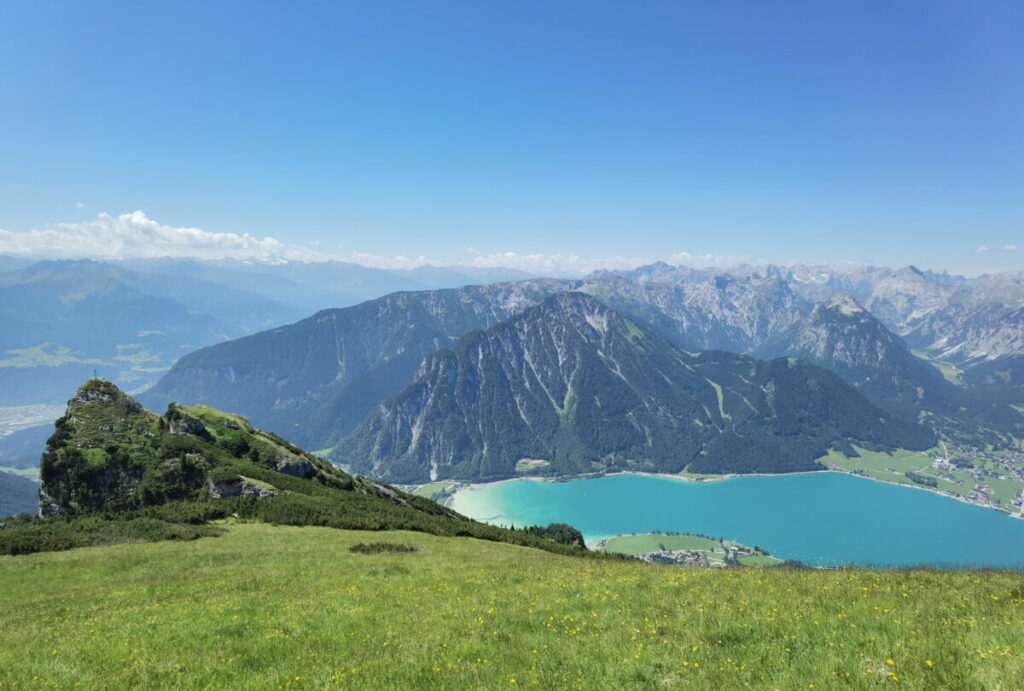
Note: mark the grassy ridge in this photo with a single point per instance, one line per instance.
(115, 469)
(266, 606)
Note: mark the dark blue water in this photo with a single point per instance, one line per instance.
(818, 518)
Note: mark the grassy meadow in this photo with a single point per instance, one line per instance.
(649, 542)
(639, 544)
(893, 468)
(433, 490)
(267, 607)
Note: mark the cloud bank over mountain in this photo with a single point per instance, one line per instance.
(136, 236)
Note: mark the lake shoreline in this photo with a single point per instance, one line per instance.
(460, 486)
(780, 514)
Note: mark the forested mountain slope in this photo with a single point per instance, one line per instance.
(315, 380)
(584, 388)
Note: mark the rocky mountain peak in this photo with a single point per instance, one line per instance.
(569, 308)
(103, 392)
(575, 302)
(844, 304)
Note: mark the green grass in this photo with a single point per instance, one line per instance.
(721, 399)
(531, 465)
(217, 418)
(893, 468)
(880, 465)
(262, 607)
(711, 549)
(700, 476)
(257, 483)
(432, 490)
(899, 462)
(951, 372)
(641, 544)
(24, 472)
(1004, 491)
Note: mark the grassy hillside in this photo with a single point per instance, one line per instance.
(114, 471)
(266, 606)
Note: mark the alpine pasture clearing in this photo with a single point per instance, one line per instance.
(265, 606)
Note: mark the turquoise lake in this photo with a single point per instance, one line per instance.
(818, 518)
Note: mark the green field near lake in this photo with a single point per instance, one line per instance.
(641, 544)
(899, 462)
(268, 607)
(893, 468)
(432, 490)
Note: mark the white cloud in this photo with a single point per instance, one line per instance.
(575, 265)
(1010, 248)
(981, 250)
(398, 262)
(706, 261)
(79, 205)
(553, 264)
(556, 265)
(136, 236)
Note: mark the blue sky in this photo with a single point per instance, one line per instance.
(883, 132)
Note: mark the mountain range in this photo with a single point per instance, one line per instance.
(130, 321)
(316, 380)
(571, 386)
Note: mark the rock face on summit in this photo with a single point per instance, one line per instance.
(587, 389)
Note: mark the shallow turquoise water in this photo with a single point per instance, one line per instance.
(818, 518)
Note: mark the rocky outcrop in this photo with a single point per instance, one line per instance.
(100, 391)
(47, 506)
(296, 467)
(239, 488)
(186, 426)
(388, 493)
